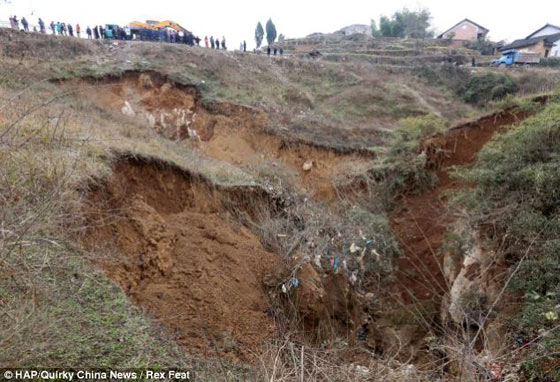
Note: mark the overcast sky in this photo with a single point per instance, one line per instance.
(236, 20)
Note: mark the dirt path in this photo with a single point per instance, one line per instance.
(422, 220)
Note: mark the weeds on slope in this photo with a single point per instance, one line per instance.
(515, 206)
(288, 360)
(403, 166)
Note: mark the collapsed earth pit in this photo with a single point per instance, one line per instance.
(170, 241)
(235, 134)
(172, 249)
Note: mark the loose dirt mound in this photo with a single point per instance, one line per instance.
(231, 133)
(181, 259)
(421, 222)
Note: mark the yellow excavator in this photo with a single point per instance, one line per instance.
(170, 24)
(151, 29)
(156, 25)
(141, 25)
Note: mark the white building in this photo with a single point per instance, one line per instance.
(355, 28)
(547, 30)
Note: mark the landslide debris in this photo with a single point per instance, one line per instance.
(173, 251)
(239, 135)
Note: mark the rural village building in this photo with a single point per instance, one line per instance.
(549, 30)
(545, 42)
(355, 28)
(465, 30)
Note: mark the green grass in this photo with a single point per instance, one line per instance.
(515, 205)
(77, 317)
(402, 166)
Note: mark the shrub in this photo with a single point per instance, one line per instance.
(403, 167)
(484, 47)
(487, 87)
(516, 205)
(552, 62)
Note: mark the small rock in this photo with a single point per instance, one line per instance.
(127, 109)
(307, 165)
(362, 370)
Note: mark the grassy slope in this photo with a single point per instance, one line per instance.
(352, 101)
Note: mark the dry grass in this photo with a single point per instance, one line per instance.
(59, 311)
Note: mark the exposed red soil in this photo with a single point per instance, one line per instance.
(422, 220)
(230, 133)
(179, 258)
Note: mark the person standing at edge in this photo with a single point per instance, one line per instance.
(42, 26)
(78, 30)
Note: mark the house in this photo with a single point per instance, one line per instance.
(544, 46)
(548, 30)
(465, 30)
(355, 28)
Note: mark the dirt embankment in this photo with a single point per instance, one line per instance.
(172, 250)
(239, 135)
(422, 220)
(172, 245)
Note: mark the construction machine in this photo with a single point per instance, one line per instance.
(150, 30)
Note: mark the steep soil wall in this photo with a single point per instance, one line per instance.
(422, 219)
(178, 257)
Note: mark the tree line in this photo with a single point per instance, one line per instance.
(404, 24)
(271, 33)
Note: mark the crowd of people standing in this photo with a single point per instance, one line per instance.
(64, 29)
(214, 43)
(98, 32)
